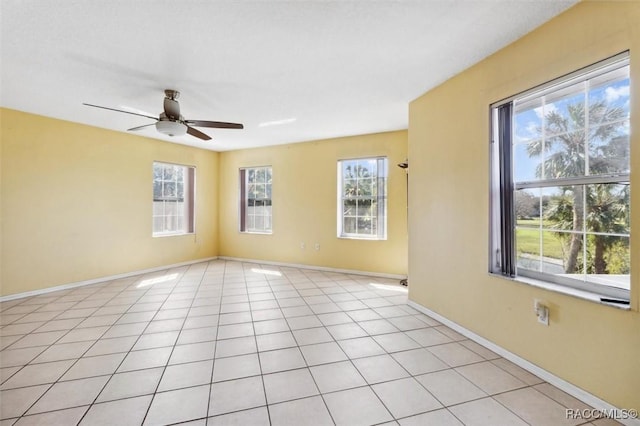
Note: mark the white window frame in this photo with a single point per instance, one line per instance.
(503, 256)
(245, 223)
(185, 216)
(380, 199)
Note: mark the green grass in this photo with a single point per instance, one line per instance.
(528, 241)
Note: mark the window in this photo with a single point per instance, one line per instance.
(255, 200)
(362, 198)
(560, 182)
(173, 199)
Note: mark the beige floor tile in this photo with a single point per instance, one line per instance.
(346, 331)
(38, 374)
(94, 366)
(428, 337)
(396, 342)
(281, 360)
(535, 408)
(201, 321)
(450, 387)
(255, 417)
(237, 346)
(14, 402)
(63, 351)
(289, 385)
(130, 411)
(490, 378)
(69, 394)
(361, 347)
(301, 412)
(378, 326)
(178, 406)
(271, 326)
(485, 412)
(337, 376)
(269, 342)
(112, 346)
(70, 416)
(236, 395)
(197, 335)
(380, 368)
(133, 383)
(147, 358)
(419, 361)
(454, 354)
(355, 407)
(560, 397)
(156, 340)
(39, 339)
(186, 375)
(98, 321)
(435, 418)
(236, 367)
(235, 330)
(323, 353)
(405, 397)
(518, 372)
(192, 352)
(22, 329)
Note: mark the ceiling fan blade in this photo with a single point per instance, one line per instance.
(140, 127)
(172, 108)
(198, 134)
(215, 124)
(120, 110)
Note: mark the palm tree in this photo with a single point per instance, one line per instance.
(565, 150)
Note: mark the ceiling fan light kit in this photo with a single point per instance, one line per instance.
(171, 123)
(171, 128)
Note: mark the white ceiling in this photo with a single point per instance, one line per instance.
(337, 68)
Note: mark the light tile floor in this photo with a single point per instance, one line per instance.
(225, 342)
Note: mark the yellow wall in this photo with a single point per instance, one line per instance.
(592, 346)
(305, 203)
(76, 203)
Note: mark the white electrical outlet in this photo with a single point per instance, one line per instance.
(302, 246)
(541, 311)
(317, 246)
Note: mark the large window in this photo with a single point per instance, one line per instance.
(173, 200)
(255, 200)
(362, 198)
(560, 180)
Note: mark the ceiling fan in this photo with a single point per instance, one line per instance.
(171, 123)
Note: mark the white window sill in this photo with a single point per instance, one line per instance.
(569, 291)
(257, 232)
(361, 237)
(172, 234)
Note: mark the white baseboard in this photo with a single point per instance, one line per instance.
(556, 381)
(100, 280)
(316, 268)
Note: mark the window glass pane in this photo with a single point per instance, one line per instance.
(563, 111)
(609, 149)
(564, 156)
(157, 190)
(527, 160)
(563, 208)
(527, 207)
(364, 225)
(608, 208)
(527, 121)
(349, 225)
